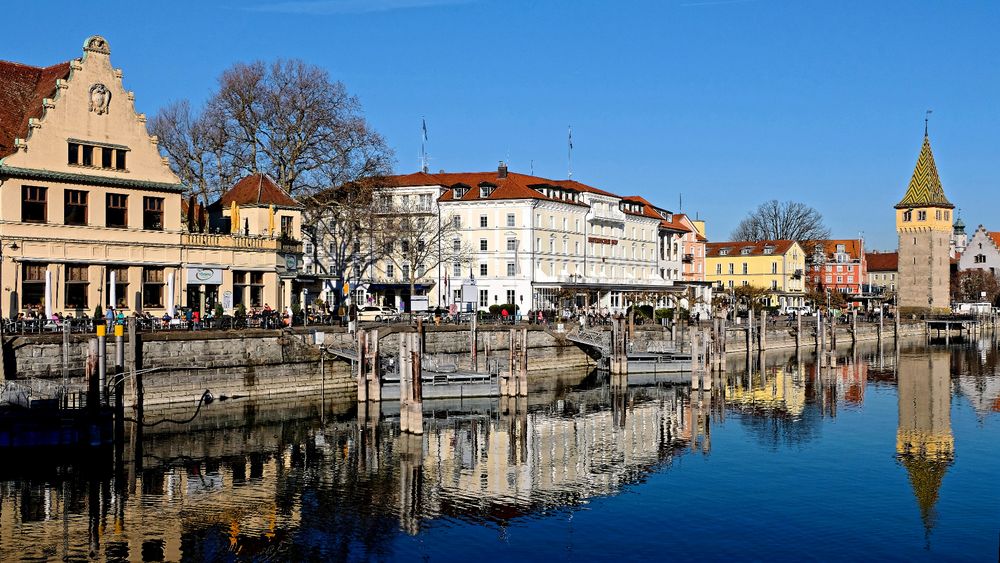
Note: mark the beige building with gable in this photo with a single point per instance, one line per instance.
(91, 214)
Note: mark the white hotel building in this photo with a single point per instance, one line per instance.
(541, 243)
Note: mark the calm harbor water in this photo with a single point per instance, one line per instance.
(889, 456)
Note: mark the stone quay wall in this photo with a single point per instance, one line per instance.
(181, 366)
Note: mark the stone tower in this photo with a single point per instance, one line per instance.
(923, 223)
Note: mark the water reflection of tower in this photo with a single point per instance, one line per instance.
(924, 442)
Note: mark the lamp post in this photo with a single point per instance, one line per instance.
(3, 338)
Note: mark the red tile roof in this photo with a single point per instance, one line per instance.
(852, 247)
(22, 89)
(513, 186)
(257, 189)
(756, 248)
(680, 219)
(995, 237)
(882, 261)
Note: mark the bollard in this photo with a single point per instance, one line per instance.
(119, 349)
(361, 336)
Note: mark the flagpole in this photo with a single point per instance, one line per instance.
(570, 152)
(423, 143)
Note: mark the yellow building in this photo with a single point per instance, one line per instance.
(91, 214)
(775, 265)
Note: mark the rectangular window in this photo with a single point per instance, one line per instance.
(405, 270)
(286, 227)
(456, 221)
(484, 298)
(511, 244)
(120, 159)
(744, 268)
(117, 212)
(239, 288)
(482, 221)
(829, 279)
(774, 284)
(77, 286)
(73, 154)
(718, 269)
(256, 289)
(34, 204)
(456, 245)
(483, 269)
(511, 296)
(510, 219)
(510, 269)
(107, 157)
(774, 267)
(921, 215)
(152, 287)
(121, 285)
(88, 155)
(483, 245)
(456, 270)
(731, 268)
(152, 213)
(33, 285)
(404, 246)
(390, 271)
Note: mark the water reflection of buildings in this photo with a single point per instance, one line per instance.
(253, 491)
(924, 442)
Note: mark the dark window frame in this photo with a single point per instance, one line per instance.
(113, 203)
(77, 286)
(34, 199)
(72, 200)
(152, 213)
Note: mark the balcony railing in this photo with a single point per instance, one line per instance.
(241, 242)
(688, 258)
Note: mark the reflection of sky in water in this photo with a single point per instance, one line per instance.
(870, 459)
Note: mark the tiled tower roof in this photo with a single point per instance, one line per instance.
(925, 186)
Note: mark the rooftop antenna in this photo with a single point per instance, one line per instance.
(680, 202)
(927, 118)
(531, 168)
(423, 145)
(570, 153)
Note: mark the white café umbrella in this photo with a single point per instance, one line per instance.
(170, 294)
(48, 295)
(112, 292)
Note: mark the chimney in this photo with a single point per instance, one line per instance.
(502, 170)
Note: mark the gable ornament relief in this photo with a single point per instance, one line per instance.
(100, 99)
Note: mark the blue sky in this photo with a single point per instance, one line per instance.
(728, 102)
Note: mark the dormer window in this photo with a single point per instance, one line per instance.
(485, 191)
(768, 250)
(460, 193)
(745, 251)
(723, 252)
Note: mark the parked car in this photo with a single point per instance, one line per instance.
(377, 314)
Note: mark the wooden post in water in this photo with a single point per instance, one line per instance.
(798, 332)
(361, 336)
(522, 382)
(880, 327)
(854, 326)
(762, 338)
(474, 342)
(410, 392)
(373, 378)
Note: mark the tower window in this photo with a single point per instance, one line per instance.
(921, 215)
(907, 215)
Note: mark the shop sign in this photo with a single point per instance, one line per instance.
(204, 276)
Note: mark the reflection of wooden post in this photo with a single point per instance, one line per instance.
(411, 454)
(522, 382)
(854, 326)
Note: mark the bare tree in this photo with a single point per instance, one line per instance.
(286, 119)
(968, 286)
(789, 220)
(342, 222)
(417, 243)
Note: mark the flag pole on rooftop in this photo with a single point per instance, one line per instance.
(423, 145)
(570, 153)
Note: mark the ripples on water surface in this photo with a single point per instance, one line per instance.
(881, 457)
